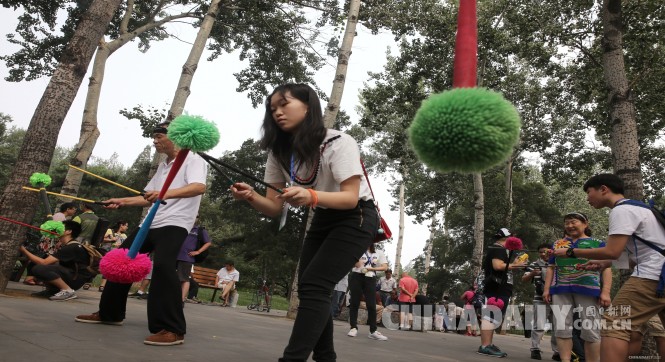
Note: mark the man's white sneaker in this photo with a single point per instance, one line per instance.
(64, 295)
(352, 332)
(378, 336)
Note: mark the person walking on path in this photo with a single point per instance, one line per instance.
(322, 170)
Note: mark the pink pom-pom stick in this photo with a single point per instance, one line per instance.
(118, 267)
(513, 243)
(466, 46)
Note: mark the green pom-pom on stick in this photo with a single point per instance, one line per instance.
(37, 178)
(55, 226)
(465, 130)
(193, 133)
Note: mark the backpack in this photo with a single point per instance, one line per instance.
(95, 255)
(102, 226)
(199, 243)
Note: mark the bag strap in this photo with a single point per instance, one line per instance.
(370, 187)
(659, 217)
(369, 260)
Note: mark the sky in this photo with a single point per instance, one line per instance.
(149, 79)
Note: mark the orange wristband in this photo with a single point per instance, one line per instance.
(315, 198)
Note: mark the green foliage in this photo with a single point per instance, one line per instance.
(194, 133)
(275, 38)
(38, 179)
(10, 144)
(148, 118)
(42, 33)
(464, 129)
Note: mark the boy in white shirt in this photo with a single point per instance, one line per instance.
(634, 230)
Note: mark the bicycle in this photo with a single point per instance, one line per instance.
(262, 298)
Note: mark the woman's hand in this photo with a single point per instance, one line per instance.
(604, 300)
(296, 196)
(596, 265)
(242, 191)
(547, 297)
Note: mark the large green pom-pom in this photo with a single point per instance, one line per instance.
(194, 133)
(55, 226)
(465, 130)
(38, 178)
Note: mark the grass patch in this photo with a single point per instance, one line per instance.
(245, 298)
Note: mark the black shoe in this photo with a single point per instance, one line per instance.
(535, 354)
(556, 356)
(43, 294)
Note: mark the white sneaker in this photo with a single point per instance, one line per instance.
(352, 332)
(378, 336)
(64, 295)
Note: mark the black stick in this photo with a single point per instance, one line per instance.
(214, 166)
(224, 164)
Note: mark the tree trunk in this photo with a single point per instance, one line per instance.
(623, 141)
(342, 64)
(189, 68)
(329, 121)
(183, 89)
(509, 193)
(479, 223)
(428, 252)
(42, 134)
(89, 130)
(400, 236)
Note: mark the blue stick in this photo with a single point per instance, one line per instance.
(143, 231)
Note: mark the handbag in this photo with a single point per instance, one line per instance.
(383, 232)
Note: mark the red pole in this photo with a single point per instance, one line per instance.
(466, 46)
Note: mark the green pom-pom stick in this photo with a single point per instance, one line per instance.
(53, 226)
(465, 130)
(41, 181)
(38, 178)
(193, 133)
(49, 233)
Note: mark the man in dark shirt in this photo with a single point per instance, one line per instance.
(64, 271)
(499, 285)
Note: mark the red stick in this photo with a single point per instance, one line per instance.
(466, 46)
(28, 225)
(177, 163)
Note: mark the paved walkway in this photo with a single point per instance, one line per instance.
(33, 329)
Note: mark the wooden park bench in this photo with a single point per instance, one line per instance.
(206, 279)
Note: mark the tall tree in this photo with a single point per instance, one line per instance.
(42, 134)
(183, 90)
(128, 30)
(624, 137)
